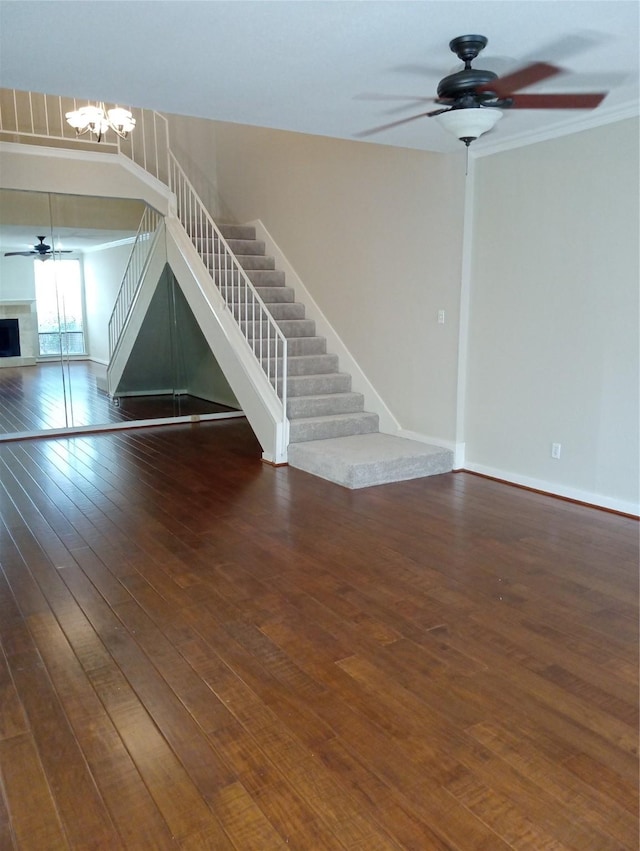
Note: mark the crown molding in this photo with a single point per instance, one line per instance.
(577, 124)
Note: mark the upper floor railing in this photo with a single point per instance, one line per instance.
(40, 119)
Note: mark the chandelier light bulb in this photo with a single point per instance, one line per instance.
(96, 120)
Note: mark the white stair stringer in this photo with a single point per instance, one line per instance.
(241, 368)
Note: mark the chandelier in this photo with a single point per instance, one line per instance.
(97, 120)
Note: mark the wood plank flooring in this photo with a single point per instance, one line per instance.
(35, 398)
(200, 651)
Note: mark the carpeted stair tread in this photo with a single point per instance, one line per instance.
(363, 460)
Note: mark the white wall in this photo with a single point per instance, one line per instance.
(103, 271)
(553, 342)
(17, 279)
(375, 234)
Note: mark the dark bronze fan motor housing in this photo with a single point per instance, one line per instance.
(468, 80)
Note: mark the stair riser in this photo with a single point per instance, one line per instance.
(317, 385)
(245, 232)
(269, 295)
(237, 231)
(286, 310)
(280, 311)
(297, 346)
(289, 327)
(301, 431)
(276, 295)
(210, 245)
(258, 277)
(248, 262)
(307, 365)
(325, 406)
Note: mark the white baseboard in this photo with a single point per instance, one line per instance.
(553, 489)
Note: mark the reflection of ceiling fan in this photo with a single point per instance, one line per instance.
(473, 99)
(41, 250)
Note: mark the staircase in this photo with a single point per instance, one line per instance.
(330, 433)
(320, 402)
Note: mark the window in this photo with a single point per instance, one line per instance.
(59, 304)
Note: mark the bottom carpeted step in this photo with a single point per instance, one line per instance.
(363, 460)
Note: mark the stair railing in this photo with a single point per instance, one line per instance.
(261, 332)
(148, 231)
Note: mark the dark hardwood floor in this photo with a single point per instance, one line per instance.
(201, 651)
(48, 396)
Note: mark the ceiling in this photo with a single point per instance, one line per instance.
(310, 66)
(78, 223)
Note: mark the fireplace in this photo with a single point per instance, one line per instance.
(9, 338)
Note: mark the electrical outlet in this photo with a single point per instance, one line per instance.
(441, 317)
(556, 449)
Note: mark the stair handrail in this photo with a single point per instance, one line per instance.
(261, 332)
(146, 236)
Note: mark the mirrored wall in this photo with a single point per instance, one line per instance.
(62, 261)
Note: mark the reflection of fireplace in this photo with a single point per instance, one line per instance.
(18, 347)
(9, 338)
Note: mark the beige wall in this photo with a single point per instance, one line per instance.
(553, 341)
(551, 348)
(375, 234)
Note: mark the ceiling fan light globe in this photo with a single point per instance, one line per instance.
(469, 124)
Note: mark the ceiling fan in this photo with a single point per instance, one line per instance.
(473, 99)
(40, 250)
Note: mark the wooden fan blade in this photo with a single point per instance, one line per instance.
(19, 253)
(382, 127)
(569, 101)
(505, 86)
